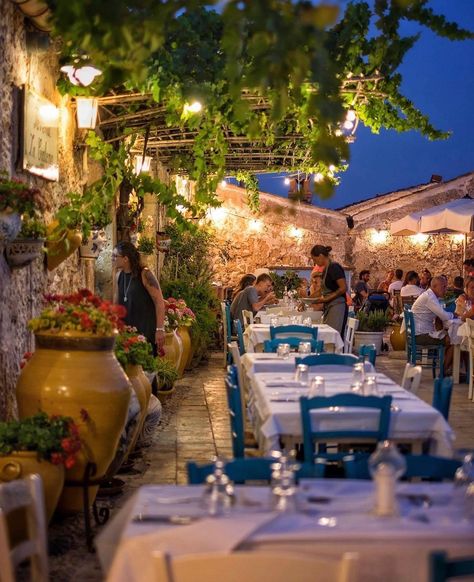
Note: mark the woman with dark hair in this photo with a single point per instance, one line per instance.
(244, 282)
(139, 292)
(333, 288)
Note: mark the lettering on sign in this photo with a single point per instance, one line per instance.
(40, 139)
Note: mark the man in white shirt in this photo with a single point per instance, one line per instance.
(397, 284)
(411, 288)
(429, 314)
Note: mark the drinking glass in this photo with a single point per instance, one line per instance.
(318, 387)
(302, 373)
(358, 374)
(283, 351)
(304, 348)
(274, 321)
(308, 321)
(370, 386)
(293, 319)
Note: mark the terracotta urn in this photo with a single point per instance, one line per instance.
(183, 332)
(397, 338)
(173, 348)
(76, 374)
(19, 464)
(142, 388)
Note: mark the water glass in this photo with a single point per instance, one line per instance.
(304, 348)
(308, 321)
(274, 321)
(302, 373)
(357, 388)
(283, 351)
(293, 319)
(358, 374)
(318, 387)
(370, 386)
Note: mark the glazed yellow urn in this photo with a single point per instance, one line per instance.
(183, 332)
(60, 244)
(173, 348)
(20, 464)
(142, 388)
(76, 374)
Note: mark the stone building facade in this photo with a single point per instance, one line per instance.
(21, 289)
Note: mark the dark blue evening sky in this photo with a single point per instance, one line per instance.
(438, 77)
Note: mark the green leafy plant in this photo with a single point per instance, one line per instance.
(32, 228)
(54, 438)
(78, 312)
(376, 320)
(133, 348)
(146, 245)
(166, 374)
(290, 280)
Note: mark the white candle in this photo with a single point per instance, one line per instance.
(385, 501)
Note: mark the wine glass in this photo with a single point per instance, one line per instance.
(302, 374)
(304, 348)
(283, 351)
(317, 387)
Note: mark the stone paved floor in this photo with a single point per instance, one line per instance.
(195, 427)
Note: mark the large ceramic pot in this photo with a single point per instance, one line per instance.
(18, 465)
(23, 251)
(183, 333)
(142, 388)
(10, 225)
(173, 348)
(77, 374)
(151, 423)
(60, 245)
(397, 338)
(90, 249)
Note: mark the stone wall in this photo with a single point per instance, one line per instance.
(21, 290)
(281, 234)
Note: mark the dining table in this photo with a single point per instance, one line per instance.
(274, 411)
(256, 333)
(328, 518)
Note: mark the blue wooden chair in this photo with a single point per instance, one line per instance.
(258, 469)
(271, 346)
(418, 466)
(442, 391)
(312, 437)
(328, 360)
(368, 352)
(227, 331)
(240, 336)
(434, 352)
(301, 331)
(442, 568)
(234, 401)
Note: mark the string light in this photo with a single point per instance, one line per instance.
(286, 181)
(419, 238)
(194, 107)
(378, 237)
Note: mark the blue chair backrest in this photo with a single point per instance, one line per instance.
(228, 322)
(410, 331)
(368, 352)
(442, 390)
(443, 568)
(270, 346)
(328, 360)
(234, 401)
(420, 466)
(294, 330)
(348, 400)
(251, 469)
(240, 336)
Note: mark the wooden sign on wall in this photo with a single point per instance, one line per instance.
(40, 136)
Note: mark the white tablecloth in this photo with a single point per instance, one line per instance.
(273, 419)
(257, 333)
(390, 549)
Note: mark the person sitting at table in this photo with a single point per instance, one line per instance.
(333, 288)
(244, 282)
(425, 279)
(465, 302)
(430, 317)
(303, 288)
(397, 284)
(411, 286)
(458, 286)
(361, 289)
(254, 297)
(384, 285)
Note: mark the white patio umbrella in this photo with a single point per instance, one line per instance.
(453, 217)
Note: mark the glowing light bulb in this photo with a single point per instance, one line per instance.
(318, 177)
(223, 183)
(351, 115)
(194, 107)
(286, 181)
(348, 124)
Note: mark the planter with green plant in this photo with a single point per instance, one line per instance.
(39, 444)
(166, 376)
(146, 245)
(371, 329)
(29, 243)
(289, 281)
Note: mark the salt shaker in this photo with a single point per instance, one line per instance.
(386, 465)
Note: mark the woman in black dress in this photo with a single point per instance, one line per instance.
(139, 292)
(333, 288)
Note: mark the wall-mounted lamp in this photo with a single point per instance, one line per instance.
(86, 112)
(194, 107)
(83, 76)
(457, 238)
(141, 164)
(217, 215)
(295, 232)
(419, 238)
(255, 225)
(49, 115)
(379, 237)
(223, 183)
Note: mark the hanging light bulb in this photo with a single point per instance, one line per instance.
(286, 181)
(223, 183)
(83, 76)
(194, 107)
(351, 115)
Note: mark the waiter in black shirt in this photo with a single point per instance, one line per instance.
(333, 288)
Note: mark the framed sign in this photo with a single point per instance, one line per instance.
(40, 136)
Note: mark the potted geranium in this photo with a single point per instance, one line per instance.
(74, 371)
(135, 354)
(39, 444)
(16, 199)
(370, 329)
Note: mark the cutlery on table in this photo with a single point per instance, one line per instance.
(169, 519)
